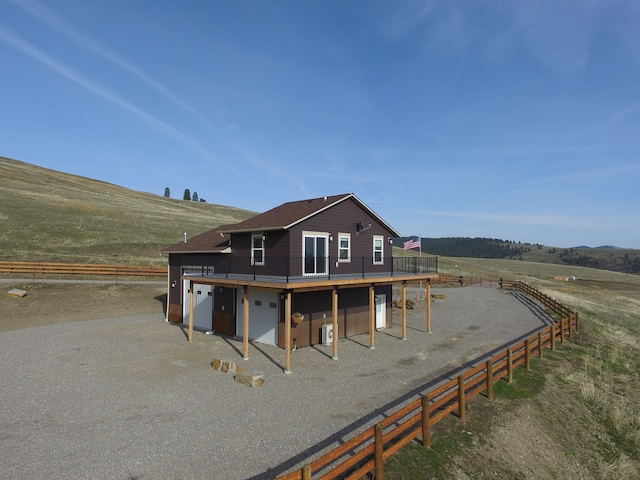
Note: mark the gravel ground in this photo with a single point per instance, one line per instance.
(125, 398)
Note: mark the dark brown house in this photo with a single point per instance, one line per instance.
(303, 273)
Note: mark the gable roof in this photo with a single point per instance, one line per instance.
(283, 217)
(290, 214)
(212, 241)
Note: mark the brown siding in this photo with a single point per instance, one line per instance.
(276, 253)
(343, 218)
(353, 314)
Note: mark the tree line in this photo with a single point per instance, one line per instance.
(187, 195)
(478, 247)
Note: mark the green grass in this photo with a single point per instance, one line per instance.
(52, 216)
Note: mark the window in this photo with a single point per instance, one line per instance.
(344, 247)
(257, 250)
(314, 246)
(378, 254)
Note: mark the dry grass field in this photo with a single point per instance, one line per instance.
(52, 216)
(576, 414)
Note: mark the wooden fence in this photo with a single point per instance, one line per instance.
(466, 280)
(367, 451)
(34, 269)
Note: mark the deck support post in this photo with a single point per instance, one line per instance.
(404, 310)
(245, 334)
(428, 300)
(334, 313)
(191, 305)
(287, 331)
(372, 318)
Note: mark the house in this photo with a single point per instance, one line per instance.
(304, 273)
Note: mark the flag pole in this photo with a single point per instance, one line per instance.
(420, 256)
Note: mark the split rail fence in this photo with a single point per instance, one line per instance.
(52, 268)
(367, 451)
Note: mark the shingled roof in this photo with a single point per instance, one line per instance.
(282, 217)
(291, 213)
(212, 241)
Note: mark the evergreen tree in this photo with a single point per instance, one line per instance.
(194, 197)
(187, 194)
(167, 192)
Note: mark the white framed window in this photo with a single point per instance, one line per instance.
(378, 249)
(315, 253)
(344, 247)
(257, 249)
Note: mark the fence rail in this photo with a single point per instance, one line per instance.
(53, 268)
(367, 451)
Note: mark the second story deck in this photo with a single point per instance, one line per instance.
(290, 272)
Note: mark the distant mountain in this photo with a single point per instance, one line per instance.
(602, 247)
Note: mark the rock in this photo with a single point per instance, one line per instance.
(16, 293)
(226, 366)
(250, 379)
(411, 304)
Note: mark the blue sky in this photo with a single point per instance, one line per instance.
(517, 120)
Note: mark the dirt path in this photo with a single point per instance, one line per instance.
(51, 303)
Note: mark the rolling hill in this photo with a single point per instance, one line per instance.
(616, 259)
(47, 215)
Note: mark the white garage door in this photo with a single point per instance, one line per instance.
(202, 305)
(263, 315)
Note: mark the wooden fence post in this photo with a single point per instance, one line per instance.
(306, 472)
(577, 322)
(426, 429)
(540, 344)
(553, 336)
(510, 364)
(562, 331)
(379, 452)
(527, 354)
(462, 405)
(490, 379)
(570, 319)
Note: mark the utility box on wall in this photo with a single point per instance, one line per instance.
(327, 334)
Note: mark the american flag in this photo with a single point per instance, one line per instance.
(412, 243)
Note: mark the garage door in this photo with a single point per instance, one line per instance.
(263, 315)
(202, 305)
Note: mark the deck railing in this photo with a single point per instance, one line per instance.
(299, 268)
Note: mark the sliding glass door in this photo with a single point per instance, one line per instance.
(316, 260)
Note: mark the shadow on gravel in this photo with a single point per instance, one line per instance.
(535, 308)
(346, 433)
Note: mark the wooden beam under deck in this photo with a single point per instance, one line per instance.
(309, 285)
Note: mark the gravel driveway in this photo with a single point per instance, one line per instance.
(130, 398)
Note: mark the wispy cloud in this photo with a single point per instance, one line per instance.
(101, 91)
(64, 28)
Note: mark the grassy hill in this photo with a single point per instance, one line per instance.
(616, 259)
(52, 216)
